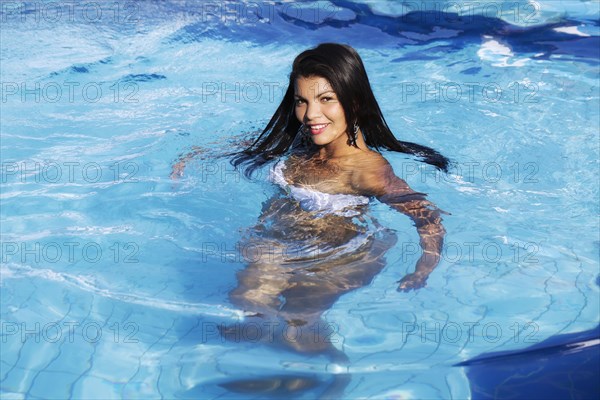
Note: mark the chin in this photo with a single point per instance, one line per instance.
(319, 142)
(322, 139)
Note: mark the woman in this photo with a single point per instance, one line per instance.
(315, 241)
(330, 119)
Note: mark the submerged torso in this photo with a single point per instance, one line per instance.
(319, 207)
(334, 176)
(307, 190)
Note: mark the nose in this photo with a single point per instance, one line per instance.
(313, 111)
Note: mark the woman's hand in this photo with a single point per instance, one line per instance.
(412, 281)
(177, 170)
(179, 166)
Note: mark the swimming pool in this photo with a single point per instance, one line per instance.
(115, 276)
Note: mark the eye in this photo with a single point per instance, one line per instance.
(327, 99)
(298, 102)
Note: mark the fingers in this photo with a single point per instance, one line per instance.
(177, 171)
(411, 282)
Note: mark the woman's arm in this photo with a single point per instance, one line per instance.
(390, 189)
(179, 166)
(234, 142)
(427, 219)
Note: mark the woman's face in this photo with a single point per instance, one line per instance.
(319, 109)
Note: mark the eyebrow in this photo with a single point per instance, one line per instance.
(318, 95)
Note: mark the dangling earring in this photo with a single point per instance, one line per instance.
(354, 135)
(303, 134)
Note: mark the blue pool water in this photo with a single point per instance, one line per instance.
(115, 277)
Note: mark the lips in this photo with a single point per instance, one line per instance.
(316, 129)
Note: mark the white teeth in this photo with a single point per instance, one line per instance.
(318, 126)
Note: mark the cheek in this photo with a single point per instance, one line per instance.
(339, 117)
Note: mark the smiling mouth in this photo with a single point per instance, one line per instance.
(317, 128)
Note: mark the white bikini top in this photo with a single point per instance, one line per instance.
(312, 200)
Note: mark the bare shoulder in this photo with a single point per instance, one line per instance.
(375, 176)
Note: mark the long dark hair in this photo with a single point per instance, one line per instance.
(343, 68)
